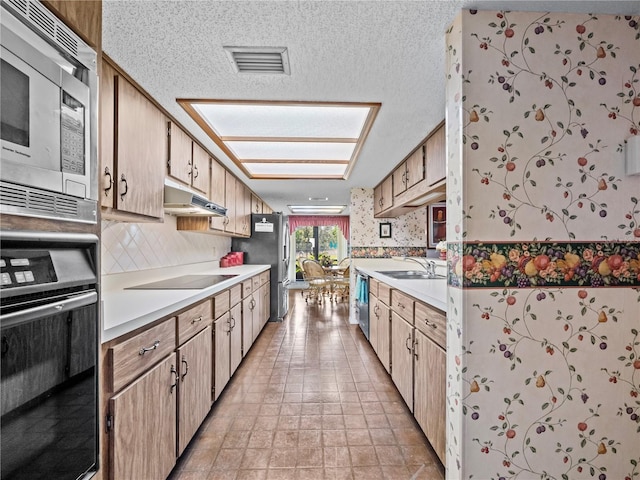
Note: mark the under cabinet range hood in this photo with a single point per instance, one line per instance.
(180, 201)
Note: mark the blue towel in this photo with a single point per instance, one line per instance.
(362, 290)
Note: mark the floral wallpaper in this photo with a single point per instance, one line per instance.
(408, 232)
(544, 246)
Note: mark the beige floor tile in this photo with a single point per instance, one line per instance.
(334, 438)
(228, 459)
(251, 474)
(256, 458)
(382, 436)
(309, 457)
(358, 437)
(310, 438)
(367, 473)
(363, 456)
(283, 458)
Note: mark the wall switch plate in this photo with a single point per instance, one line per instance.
(632, 154)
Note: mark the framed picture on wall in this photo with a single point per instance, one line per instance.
(385, 230)
(436, 224)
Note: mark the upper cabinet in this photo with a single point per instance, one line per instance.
(188, 161)
(83, 16)
(132, 147)
(383, 196)
(419, 179)
(436, 157)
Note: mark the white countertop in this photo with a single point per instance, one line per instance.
(125, 310)
(432, 292)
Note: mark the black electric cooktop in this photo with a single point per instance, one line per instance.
(184, 282)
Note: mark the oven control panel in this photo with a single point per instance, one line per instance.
(26, 267)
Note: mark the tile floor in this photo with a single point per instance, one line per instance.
(310, 401)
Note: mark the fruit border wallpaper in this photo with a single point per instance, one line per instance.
(543, 367)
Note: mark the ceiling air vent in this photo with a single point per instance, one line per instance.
(270, 60)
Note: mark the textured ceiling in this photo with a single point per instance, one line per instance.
(392, 52)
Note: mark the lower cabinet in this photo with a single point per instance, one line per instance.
(222, 353)
(430, 388)
(409, 338)
(402, 357)
(143, 425)
(194, 398)
(235, 337)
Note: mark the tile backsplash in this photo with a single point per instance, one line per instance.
(128, 247)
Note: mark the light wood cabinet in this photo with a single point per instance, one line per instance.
(248, 313)
(143, 431)
(230, 203)
(132, 148)
(265, 304)
(420, 178)
(402, 357)
(410, 172)
(217, 193)
(374, 321)
(256, 204)
(430, 381)
(235, 337)
(384, 335)
(222, 353)
(436, 157)
(194, 399)
(380, 321)
(188, 161)
(383, 195)
(243, 210)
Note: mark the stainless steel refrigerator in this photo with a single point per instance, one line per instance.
(269, 244)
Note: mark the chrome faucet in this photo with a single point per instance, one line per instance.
(428, 265)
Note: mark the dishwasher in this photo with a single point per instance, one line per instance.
(362, 301)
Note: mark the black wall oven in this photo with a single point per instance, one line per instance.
(49, 336)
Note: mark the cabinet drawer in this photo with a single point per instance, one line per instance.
(256, 282)
(247, 288)
(220, 304)
(384, 293)
(373, 286)
(265, 277)
(403, 305)
(193, 320)
(431, 322)
(132, 357)
(235, 293)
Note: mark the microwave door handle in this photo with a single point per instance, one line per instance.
(61, 306)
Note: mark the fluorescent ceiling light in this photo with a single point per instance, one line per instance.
(317, 209)
(286, 139)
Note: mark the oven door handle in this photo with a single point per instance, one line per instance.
(28, 315)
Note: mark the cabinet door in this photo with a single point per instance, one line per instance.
(436, 161)
(387, 193)
(243, 210)
(230, 203)
(402, 357)
(248, 305)
(200, 171)
(430, 381)
(377, 199)
(266, 304)
(384, 336)
(235, 337)
(141, 152)
(400, 179)
(221, 354)
(143, 436)
(180, 154)
(256, 204)
(258, 312)
(217, 193)
(194, 399)
(415, 167)
(107, 119)
(374, 321)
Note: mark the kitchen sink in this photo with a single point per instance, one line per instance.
(411, 274)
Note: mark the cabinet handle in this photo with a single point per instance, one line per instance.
(126, 186)
(406, 343)
(401, 305)
(144, 350)
(252, 304)
(381, 201)
(229, 323)
(174, 372)
(107, 173)
(195, 169)
(415, 351)
(404, 178)
(196, 320)
(430, 324)
(186, 367)
(225, 221)
(232, 325)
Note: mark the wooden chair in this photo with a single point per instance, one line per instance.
(319, 283)
(340, 285)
